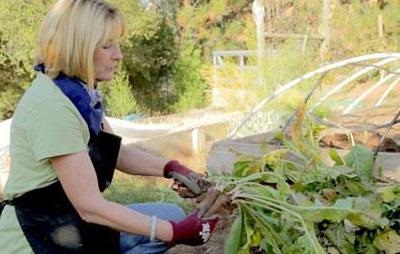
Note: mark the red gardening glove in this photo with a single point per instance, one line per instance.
(192, 230)
(188, 183)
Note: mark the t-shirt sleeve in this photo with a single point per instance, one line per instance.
(55, 129)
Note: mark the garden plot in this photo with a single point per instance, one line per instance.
(322, 183)
(223, 154)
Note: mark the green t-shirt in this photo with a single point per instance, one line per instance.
(45, 124)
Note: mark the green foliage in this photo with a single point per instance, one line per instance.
(315, 217)
(362, 160)
(356, 28)
(189, 85)
(19, 21)
(8, 102)
(161, 78)
(333, 154)
(19, 33)
(288, 62)
(164, 69)
(119, 100)
(233, 240)
(148, 60)
(298, 204)
(215, 25)
(388, 242)
(168, 48)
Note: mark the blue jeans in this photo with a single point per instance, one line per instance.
(138, 244)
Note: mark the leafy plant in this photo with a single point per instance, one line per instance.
(188, 86)
(17, 49)
(118, 97)
(292, 201)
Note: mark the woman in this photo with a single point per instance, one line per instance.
(63, 152)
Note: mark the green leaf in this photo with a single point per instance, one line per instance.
(366, 213)
(336, 171)
(255, 239)
(333, 154)
(275, 157)
(335, 213)
(361, 159)
(340, 238)
(232, 243)
(389, 193)
(352, 186)
(303, 245)
(239, 167)
(388, 241)
(246, 167)
(365, 244)
(249, 232)
(361, 212)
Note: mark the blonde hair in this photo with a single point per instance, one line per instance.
(70, 33)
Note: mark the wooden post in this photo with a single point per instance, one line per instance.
(305, 43)
(326, 28)
(380, 25)
(241, 63)
(259, 13)
(198, 140)
(382, 72)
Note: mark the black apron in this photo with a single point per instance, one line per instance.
(48, 219)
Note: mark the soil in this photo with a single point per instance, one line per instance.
(352, 130)
(371, 140)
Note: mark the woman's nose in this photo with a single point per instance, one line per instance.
(117, 54)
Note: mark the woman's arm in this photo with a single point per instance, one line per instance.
(79, 181)
(135, 161)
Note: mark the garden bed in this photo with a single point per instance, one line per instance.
(225, 153)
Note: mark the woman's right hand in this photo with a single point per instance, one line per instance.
(193, 230)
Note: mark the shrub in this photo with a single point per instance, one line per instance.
(118, 98)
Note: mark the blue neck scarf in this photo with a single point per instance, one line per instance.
(87, 102)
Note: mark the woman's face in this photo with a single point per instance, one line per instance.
(105, 61)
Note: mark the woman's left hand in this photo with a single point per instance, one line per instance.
(187, 183)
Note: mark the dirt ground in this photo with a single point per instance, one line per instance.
(367, 115)
(376, 120)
